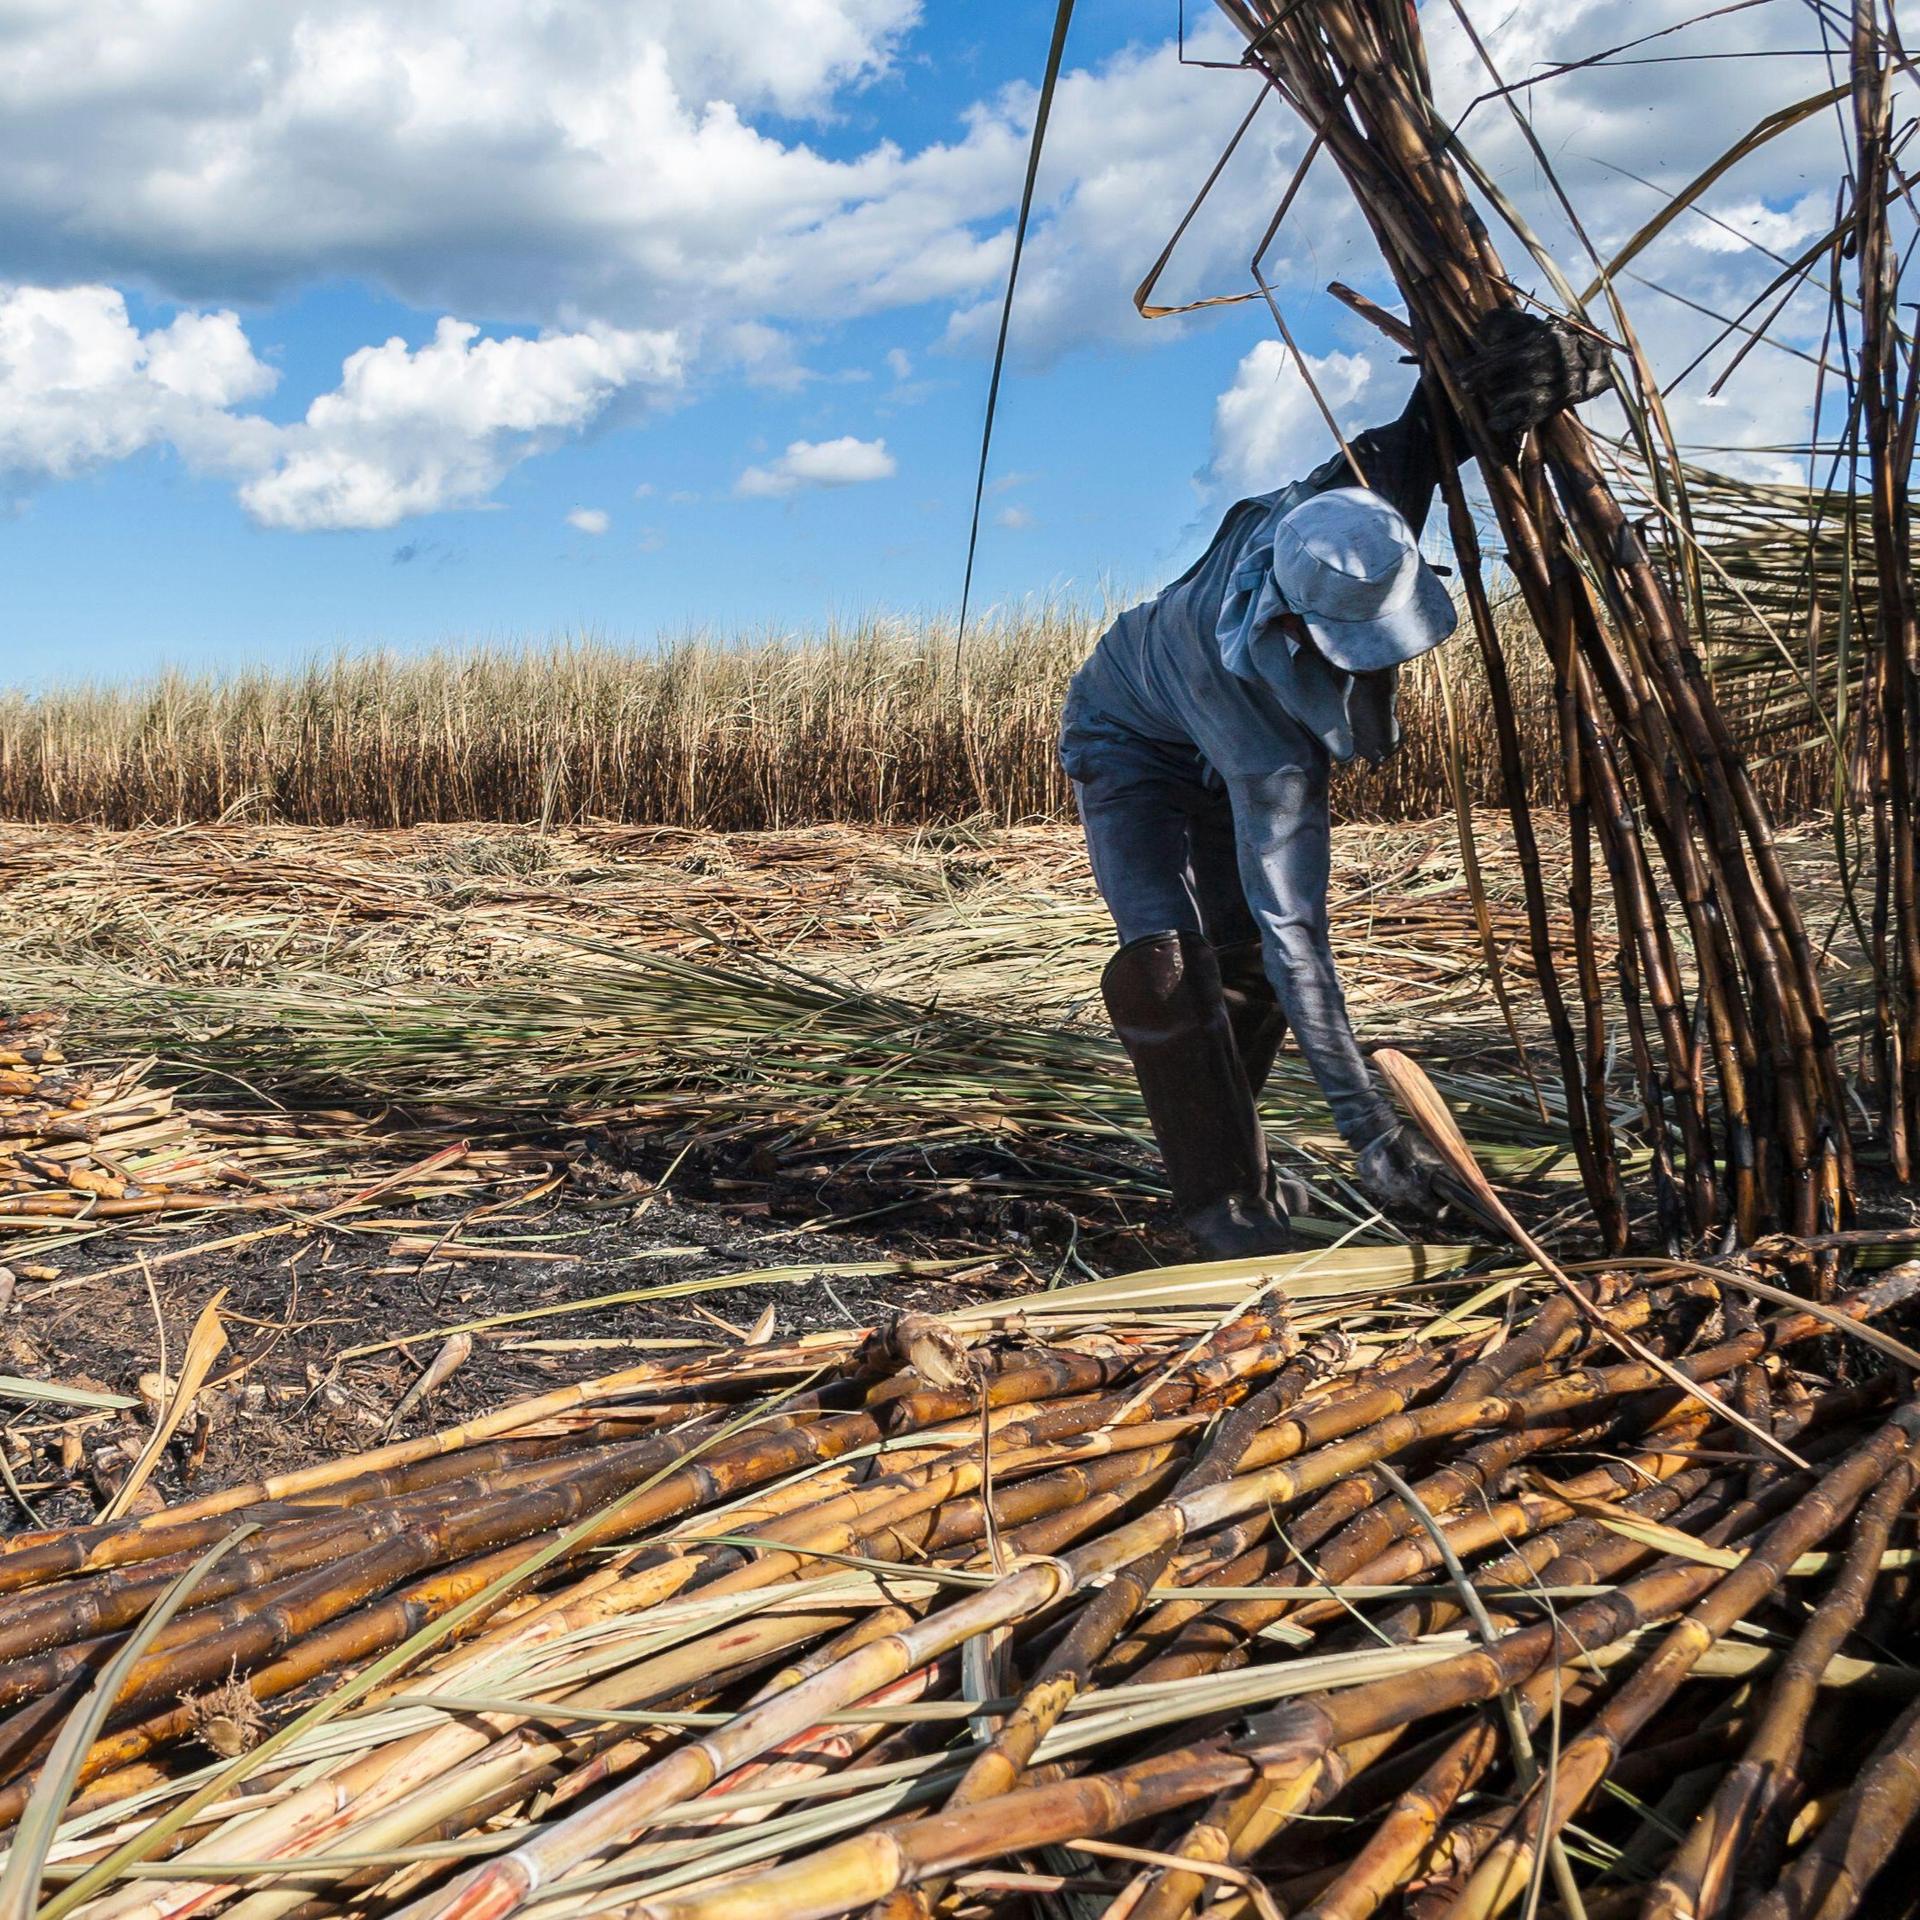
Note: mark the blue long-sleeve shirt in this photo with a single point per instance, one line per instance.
(1160, 670)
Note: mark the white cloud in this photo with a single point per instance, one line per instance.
(405, 432)
(845, 462)
(531, 164)
(410, 432)
(536, 165)
(1267, 427)
(1748, 224)
(765, 355)
(81, 385)
(604, 170)
(1014, 519)
(592, 520)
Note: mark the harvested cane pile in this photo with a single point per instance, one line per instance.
(88, 1152)
(82, 1145)
(1459, 1606)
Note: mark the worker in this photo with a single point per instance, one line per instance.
(1199, 736)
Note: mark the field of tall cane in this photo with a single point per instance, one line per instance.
(867, 723)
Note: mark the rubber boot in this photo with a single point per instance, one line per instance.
(1253, 1008)
(1165, 999)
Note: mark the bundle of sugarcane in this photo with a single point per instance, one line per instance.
(979, 1609)
(1883, 425)
(89, 1151)
(78, 1145)
(1645, 747)
(1792, 562)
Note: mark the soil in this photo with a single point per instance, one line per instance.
(604, 1274)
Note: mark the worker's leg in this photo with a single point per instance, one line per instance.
(1135, 820)
(1285, 848)
(1164, 994)
(1213, 861)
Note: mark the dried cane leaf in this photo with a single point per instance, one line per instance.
(204, 1346)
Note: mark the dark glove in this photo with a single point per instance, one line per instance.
(1408, 1181)
(1523, 369)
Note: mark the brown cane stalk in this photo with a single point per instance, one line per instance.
(1505, 1873)
(1698, 1881)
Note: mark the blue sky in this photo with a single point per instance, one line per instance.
(378, 324)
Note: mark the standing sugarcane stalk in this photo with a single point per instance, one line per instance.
(1355, 71)
(1890, 415)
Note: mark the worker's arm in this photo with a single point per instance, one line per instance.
(1400, 461)
(1522, 370)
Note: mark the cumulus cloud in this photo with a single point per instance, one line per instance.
(1267, 427)
(406, 432)
(602, 170)
(1749, 224)
(529, 163)
(535, 165)
(409, 432)
(81, 385)
(844, 462)
(1014, 519)
(593, 520)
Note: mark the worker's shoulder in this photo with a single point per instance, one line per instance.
(1240, 523)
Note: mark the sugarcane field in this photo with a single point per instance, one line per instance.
(734, 1186)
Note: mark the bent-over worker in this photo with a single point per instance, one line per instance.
(1199, 736)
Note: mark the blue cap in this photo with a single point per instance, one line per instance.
(1349, 565)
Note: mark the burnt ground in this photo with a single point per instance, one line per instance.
(301, 1302)
(300, 1307)
(604, 1274)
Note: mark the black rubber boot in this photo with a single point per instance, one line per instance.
(1253, 1009)
(1165, 999)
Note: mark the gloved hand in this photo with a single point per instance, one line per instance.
(1523, 369)
(1404, 1177)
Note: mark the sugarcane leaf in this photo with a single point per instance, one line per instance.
(1781, 120)
(54, 1393)
(1330, 1273)
(204, 1346)
(60, 1773)
(1646, 1533)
